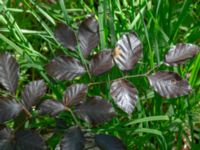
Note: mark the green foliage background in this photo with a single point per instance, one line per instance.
(26, 30)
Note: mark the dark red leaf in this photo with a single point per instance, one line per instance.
(88, 35)
(75, 94)
(108, 142)
(66, 36)
(9, 72)
(128, 51)
(29, 140)
(169, 84)
(9, 109)
(51, 108)
(179, 53)
(124, 94)
(6, 142)
(32, 92)
(64, 68)
(95, 110)
(101, 62)
(73, 140)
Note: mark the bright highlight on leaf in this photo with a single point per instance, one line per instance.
(124, 94)
(169, 84)
(127, 52)
(180, 53)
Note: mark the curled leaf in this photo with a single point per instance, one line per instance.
(101, 62)
(32, 92)
(108, 142)
(51, 108)
(169, 84)
(75, 94)
(64, 68)
(66, 36)
(128, 51)
(124, 94)
(73, 139)
(9, 109)
(179, 53)
(9, 72)
(95, 110)
(88, 35)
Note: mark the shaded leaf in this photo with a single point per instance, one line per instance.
(64, 68)
(108, 142)
(66, 36)
(179, 53)
(128, 51)
(73, 139)
(95, 110)
(9, 72)
(6, 139)
(32, 92)
(101, 62)
(75, 94)
(169, 84)
(29, 140)
(88, 35)
(51, 107)
(124, 94)
(9, 109)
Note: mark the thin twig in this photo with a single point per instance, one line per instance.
(73, 116)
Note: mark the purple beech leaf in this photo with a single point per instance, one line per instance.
(95, 110)
(75, 94)
(51, 108)
(9, 72)
(73, 139)
(65, 68)
(124, 94)
(6, 142)
(32, 92)
(127, 52)
(66, 36)
(88, 35)
(9, 109)
(101, 62)
(180, 53)
(169, 84)
(29, 140)
(108, 142)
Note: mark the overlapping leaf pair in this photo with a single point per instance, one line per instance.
(74, 140)
(10, 107)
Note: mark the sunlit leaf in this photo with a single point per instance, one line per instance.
(73, 139)
(32, 92)
(64, 68)
(6, 142)
(108, 142)
(124, 94)
(179, 53)
(29, 140)
(66, 36)
(9, 109)
(95, 110)
(9, 72)
(75, 94)
(51, 108)
(88, 35)
(128, 51)
(101, 62)
(169, 84)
